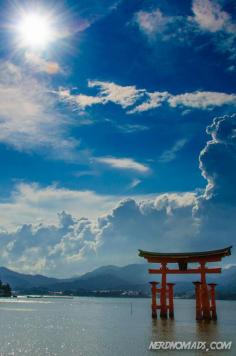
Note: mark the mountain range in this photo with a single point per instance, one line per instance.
(111, 279)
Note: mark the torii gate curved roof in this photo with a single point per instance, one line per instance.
(215, 255)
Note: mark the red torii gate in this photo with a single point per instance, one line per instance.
(205, 293)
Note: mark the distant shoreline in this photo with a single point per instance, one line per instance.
(28, 296)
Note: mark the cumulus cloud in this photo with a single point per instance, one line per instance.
(218, 161)
(188, 221)
(147, 224)
(141, 100)
(76, 244)
(180, 221)
(123, 163)
(28, 114)
(216, 208)
(48, 248)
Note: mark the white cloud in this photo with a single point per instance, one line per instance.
(158, 26)
(177, 221)
(202, 99)
(197, 100)
(124, 163)
(170, 154)
(30, 202)
(49, 248)
(85, 100)
(152, 22)
(79, 100)
(135, 182)
(146, 224)
(210, 17)
(154, 100)
(122, 95)
(130, 128)
(28, 114)
(42, 65)
(128, 96)
(78, 244)
(216, 208)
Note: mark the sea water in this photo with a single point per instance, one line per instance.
(106, 327)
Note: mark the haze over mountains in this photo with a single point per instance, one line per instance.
(112, 278)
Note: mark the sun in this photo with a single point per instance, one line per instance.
(35, 31)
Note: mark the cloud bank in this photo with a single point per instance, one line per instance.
(170, 221)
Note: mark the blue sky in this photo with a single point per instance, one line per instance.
(112, 132)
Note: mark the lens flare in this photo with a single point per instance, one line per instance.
(35, 31)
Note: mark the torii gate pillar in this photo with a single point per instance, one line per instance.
(171, 299)
(154, 299)
(163, 313)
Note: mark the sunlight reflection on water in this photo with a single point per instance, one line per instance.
(104, 326)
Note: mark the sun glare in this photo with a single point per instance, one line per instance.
(35, 31)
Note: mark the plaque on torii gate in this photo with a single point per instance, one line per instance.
(205, 293)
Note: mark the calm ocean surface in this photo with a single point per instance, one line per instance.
(105, 327)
